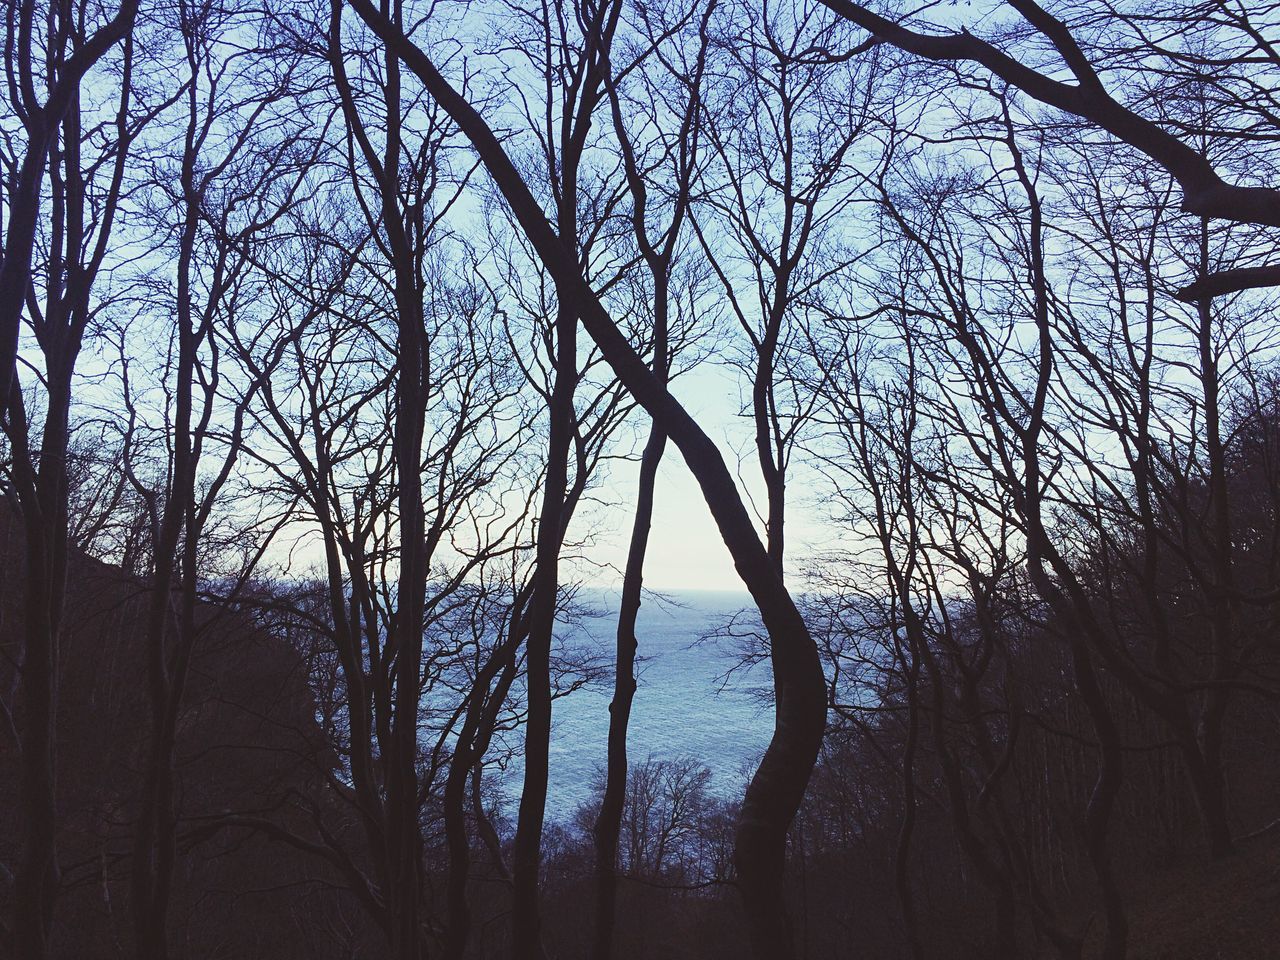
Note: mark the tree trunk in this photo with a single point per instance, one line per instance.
(37, 876)
(609, 822)
(527, 851)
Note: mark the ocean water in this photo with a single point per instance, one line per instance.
(692, 698)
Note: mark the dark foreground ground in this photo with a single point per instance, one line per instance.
(1217, 911)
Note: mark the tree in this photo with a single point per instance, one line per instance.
(236, 171)
(778, 785)
(661, 180)
(84, 148)
(1205, 192)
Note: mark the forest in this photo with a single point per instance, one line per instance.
(336, 336)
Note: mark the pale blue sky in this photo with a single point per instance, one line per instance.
(685, 548)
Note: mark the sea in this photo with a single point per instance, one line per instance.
(695, 697)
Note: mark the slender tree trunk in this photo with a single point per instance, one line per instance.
(991, 872)
(412, 388)
(1101, 803)
(659, 261)
(1202, 755)
(771, 466)
(1211, 794)
(41, 483)
(902, 850)
(458, 845)
(404, 836)
(166, 676)
(527, 852)
(41, 127)
(15, 265)
(609, 822)
(162, 852)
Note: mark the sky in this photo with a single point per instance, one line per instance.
(685, 548)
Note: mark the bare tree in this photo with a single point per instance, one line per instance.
(231, 184)
(83, 148)
(778, 786)
(784, 128)
(1205, 191)
(71, 54)
(660, 178)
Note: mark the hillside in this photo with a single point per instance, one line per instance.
(248, 744)
(1229, 910)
